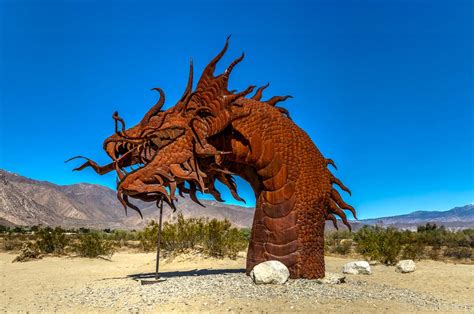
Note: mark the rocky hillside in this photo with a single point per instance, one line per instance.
(24, 201)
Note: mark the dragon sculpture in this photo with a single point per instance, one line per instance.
(212, 134)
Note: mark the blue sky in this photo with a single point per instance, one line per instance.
(385, 88)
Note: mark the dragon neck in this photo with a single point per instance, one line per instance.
(268, 162)
(261, 156)
(292, 185)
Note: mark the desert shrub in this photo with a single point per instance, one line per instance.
(83, 230)
(390, 246)
(234, 242)
(123, 235)
(246, 232)
(413, 250)
(367, 242)
(432, 235)
(131, 244)
(52, 241)
(223, 240)
(458, 252)
(379, 244)
(453, 239)
(93, 244)
(338, 242)
(342, 248)
(215, 238)
(189, 232)
(469, 233)
(11, 243)
(19, 229)
(28, 252)
(148, 236)
(175, 237)
(434, 253)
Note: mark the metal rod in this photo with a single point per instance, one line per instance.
(158, 242)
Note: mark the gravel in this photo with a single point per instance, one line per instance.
(128, 294)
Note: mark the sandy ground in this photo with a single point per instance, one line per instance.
(65, 284)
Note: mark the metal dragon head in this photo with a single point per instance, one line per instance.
(167, 149)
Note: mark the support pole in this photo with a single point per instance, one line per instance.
(158, 241)
(157, 279)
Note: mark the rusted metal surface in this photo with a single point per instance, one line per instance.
(212, 134)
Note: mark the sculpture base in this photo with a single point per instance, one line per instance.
(152, 281)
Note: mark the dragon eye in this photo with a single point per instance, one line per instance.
(203, 113)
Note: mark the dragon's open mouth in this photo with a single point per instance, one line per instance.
(133, 153)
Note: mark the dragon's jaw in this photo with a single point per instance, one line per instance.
(130, 153)
(162, 175)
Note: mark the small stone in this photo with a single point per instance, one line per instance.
(356, 268)
(405, 266)
(331, 279)
(270, 272)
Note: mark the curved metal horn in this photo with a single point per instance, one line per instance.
(209, 69)
(232, 65)
(157, 107)
(189, 87)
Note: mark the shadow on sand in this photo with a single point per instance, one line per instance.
(185, 273)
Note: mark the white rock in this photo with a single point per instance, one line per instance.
(332, 279)
(270, 272)
(405, 266)
(359, 267)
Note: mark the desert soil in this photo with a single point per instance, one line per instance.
(194, 283)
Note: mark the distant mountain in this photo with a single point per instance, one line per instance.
(25, 201)
(458, 217)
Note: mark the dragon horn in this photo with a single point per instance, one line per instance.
(189, 86)
(233, 64)
(157, 107)
(209, 69)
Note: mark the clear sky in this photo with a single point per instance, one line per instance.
(385, 88)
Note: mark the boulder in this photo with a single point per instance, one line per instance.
(270, 272)
(355, 268)
(405, 266)
(331, 279)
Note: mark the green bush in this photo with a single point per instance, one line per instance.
(148, 236)
(390, 246)
(52, 241)
(343, 247)
(123, 235)
(93, 244)
(434, 253)
(214, 237)
(339, 242)
(379, 244)
(221, 239)
(246, 232)
(368, 242)
(458, 252)
(414, 250)
(11, 243)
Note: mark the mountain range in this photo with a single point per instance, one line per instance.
(26, 202)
